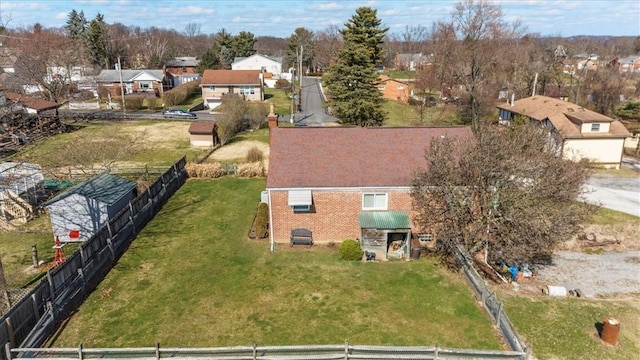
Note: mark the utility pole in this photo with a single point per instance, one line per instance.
(300, 78)
(124, 108)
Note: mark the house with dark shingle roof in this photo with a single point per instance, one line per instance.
(203, 133)
(217, 83)
(142, 82)
(348, 182)
(181, 70)
(78, 213)
(579, 133)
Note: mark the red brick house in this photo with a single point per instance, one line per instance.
(347, 183)
(394, 90)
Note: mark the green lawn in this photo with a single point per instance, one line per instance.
(565, 328)
(399, 114)
(192, 278)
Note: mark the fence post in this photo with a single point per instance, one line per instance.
(110, 245)
(157, 351)
(12, 336)
(51, 287)
(80, 356)
(435, 352)
(34, 302)
(499, 314)
(346, 349)
(7, 350)
(483, 297)
(133, 224)
(81, 274)
(255, 351)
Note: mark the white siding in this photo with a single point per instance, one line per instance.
(258, 62)
(76, 212)
(604, 128)
(606, 151)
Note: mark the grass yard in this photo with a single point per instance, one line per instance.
(399, 114)
(150, 142)
(192, 278)
(565, 328)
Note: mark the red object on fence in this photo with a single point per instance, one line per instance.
(74, 234)
(58, 253)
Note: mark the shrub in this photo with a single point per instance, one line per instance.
(211, 170)
(134, 102)
(261, 225)
(254, 155)
(350, 250)
(180, 93)
(251, 170)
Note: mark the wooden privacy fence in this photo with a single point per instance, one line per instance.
(344, 351)
(488, 298)
(30, 321)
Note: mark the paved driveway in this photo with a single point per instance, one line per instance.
(621, 194)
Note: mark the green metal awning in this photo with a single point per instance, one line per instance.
(384, 220)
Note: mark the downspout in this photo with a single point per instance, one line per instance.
(271, 240)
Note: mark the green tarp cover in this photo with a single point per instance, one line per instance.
(384, 220)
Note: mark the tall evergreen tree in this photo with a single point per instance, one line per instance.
(301, 37)
(209, 60)
(243, 44)
(76, 24)
(96, 42)
(353, 80)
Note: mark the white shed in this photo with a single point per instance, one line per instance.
(81, 211)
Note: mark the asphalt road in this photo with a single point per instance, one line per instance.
(312, 110)
(621, 194)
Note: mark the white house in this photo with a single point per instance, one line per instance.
(263, 63)
(579, 133)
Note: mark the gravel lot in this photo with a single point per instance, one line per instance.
(608, 273)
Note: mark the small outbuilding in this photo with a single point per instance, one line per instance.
(84, 209)
(203, 133)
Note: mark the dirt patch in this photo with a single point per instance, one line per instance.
(618, 237)
(238, 150)
(163, 134)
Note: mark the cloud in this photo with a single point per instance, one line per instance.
(326, 6)
(61, 16)
(190, 10)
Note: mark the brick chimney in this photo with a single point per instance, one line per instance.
(272, 120)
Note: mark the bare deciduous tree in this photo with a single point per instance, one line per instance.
(507, 191)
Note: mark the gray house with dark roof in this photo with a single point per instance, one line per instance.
(144, 81)
(348, 182)
(81, 211)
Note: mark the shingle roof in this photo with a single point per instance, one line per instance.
(31, 102)
(104, 187)
(111, 76)
(230, 77)
(182, 61)
(203, 127)
(317, 157)
(566, 117)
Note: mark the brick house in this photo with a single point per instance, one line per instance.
(394, 90)
(578, 133)
(348, 183)
(182, 70)
(141, 82)
(217, 83)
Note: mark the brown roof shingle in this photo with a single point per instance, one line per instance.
(31, 102)
(230, 77)
(321, 157)
(566, 117)
(202, 127)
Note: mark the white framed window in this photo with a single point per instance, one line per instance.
(381, 87)
(145, 85)
(212, 88)
(301, 208)
(595, 127)
(374, 201)
(246, 90)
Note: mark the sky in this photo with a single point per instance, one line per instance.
(280, 18)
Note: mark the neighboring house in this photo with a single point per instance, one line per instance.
(31, 104)
(412, 61)
(182, 70)
(394, 90)
(263, 63)
(146, 81)
(348, 183)
(8, 58)
(579, 133)
(629, 64)
(78, 213)
(217, 83)
(203, 133)
(586, 61)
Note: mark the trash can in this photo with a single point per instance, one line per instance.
(415, 253)
(610, 330)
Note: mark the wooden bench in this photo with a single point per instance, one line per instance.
(301, 237)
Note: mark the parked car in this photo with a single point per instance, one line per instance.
(179, 114)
